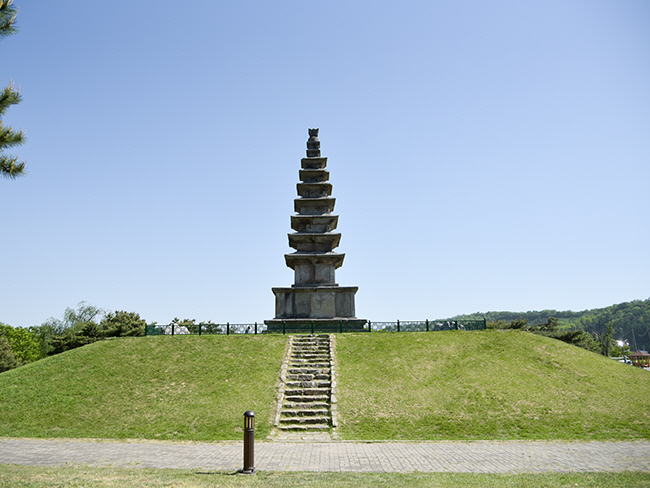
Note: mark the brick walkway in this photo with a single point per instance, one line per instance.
(467, 457)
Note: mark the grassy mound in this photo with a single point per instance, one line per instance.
(485, 385)
(419, 386)
(182, 387)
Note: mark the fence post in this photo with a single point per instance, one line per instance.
(284, 327)
(200, 328)
(341, 326)
(427, 321)
(227, 328)
(172, 329)
(484, 323)
(397, 325)
(369, 325)
(312, 326)
(255, 328)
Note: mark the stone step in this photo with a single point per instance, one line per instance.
(309, 370)
(301, 377)
(307, 387)
(305, 420)
(307, 392)
(308, 384)
(303, 428)
(308, 364)
(310, 352)
(303, 412)
(309, 377)
(307, 399)
(309, 355)
(306, 405)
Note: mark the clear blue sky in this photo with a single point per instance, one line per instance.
(485, 155)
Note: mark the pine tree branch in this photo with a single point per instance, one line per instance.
(7, 18)
(9, 165)
(9, 96)
(9, 138)
(9, 168)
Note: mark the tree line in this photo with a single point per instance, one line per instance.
(628, 322)
(84, 325)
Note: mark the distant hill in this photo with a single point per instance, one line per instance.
(631, 320)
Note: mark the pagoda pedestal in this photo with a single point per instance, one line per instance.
(315, 300)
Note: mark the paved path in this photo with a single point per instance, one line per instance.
(466, 457)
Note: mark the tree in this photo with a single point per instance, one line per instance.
(24, 344)
(78, 328)
(9, 165)
(8, 359)
(84, 325)
(122, 324)
(607, 340)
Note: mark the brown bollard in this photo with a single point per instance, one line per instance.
(249, 443)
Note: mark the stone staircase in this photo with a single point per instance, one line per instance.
(306, 403)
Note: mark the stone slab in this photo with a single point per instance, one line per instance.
(314, 302)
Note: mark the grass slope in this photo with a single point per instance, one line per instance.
(419, 386)
(485, 385)
(182, 387)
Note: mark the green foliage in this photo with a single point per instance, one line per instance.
(576, 337)
(607, 340)
(515, 324)
(551, 328)
(9, 165)
(7, 18)
(84, 325)
(25, 344)
(77, 328)
(122, 324)
(8, 359)
(631, 321)
(518, 324)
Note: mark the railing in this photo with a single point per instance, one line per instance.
(427, 325)
(205, 329)
(309, 327)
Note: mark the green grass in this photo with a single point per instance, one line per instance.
(40, 477)
(412, 386)
(485, 385)
(183, 387)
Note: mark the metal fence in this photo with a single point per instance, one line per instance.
(310, 327)
(427, 325)
(205, 329)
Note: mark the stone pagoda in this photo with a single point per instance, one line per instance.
(315, 297)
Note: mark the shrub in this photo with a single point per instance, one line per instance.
(7, 357)
(24, 344)
(122, 324)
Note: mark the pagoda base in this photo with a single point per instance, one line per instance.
(307, 326)
(315, 302)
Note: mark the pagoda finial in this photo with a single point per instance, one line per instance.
(313, 144)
